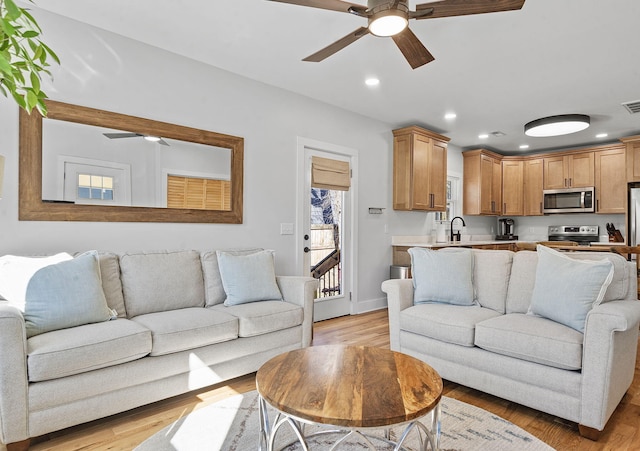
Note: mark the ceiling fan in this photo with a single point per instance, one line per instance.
(390, 18)
(155, 139)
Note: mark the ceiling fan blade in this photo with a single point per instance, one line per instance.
(333, 5)
(121, 135)
(450, 8)
(338, 45)
(416, 54)
(163, 142)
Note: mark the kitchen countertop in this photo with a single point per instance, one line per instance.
(427, 241)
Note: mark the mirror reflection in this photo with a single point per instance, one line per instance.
(85, 164)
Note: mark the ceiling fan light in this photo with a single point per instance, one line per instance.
(557, 125)
(154, 139)
(388, 23)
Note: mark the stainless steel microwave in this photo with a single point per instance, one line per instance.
(569, 200)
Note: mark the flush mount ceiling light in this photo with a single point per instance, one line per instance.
(557, 125)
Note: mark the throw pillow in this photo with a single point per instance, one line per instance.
(248, 278)
(445, 277)
(66, 294)
(16, 272)
(566, 289)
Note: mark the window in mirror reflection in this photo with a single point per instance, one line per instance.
(95, 187)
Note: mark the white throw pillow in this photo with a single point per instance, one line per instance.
(566, 289)
(16, 272)
(66, 294)
(248, 278)
(445, 277)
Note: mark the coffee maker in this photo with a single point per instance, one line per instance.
(506, 227)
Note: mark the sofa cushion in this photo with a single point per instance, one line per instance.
(450, 323)
(213, 289)
(16, 272)
(619, 286)
(257, 318)
(66, 294)
(521, 282)
(566, 289)
(111, 284)
(492, 269)
(85, 348)
(182, 329)
(248, 278)
(442, 276)
(531, 338)
(161, 281)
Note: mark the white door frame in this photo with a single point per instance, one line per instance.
(302, 198)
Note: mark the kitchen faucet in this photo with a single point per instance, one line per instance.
(457, 234)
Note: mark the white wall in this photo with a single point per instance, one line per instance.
(106, 71)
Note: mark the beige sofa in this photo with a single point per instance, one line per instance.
(497, 347)
(173, 334)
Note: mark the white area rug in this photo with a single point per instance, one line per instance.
(232, 425)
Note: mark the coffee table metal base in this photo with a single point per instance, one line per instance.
(429, 436)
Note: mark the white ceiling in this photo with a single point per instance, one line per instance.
(496, 71)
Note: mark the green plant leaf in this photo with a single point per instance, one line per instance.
(30, 34)
(7, 28)
(35, 82)
(13, 12)
(5, 66)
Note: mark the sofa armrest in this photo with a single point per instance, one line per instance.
(609, 357)
(13, 375)
(300, 291)
(399, 297)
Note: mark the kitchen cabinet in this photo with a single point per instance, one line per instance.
(611, 186)
(569, 171)
(512, 187)
(632, 144)
(533, 178)
(419, 170)
(482, 183)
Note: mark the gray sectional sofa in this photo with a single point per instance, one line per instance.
(170, 333)
(496, 345)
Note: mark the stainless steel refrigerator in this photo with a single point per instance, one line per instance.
(633, 228)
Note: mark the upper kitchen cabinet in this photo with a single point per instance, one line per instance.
(419, 170)
(512, 187)
(611, 187)
(482, 183)
(533, 176)
(569, 171)
(633, 157)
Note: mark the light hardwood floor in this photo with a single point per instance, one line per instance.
(126, 430)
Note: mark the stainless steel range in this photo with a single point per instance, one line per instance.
(584, 235)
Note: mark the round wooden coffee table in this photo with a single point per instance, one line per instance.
(354, 388)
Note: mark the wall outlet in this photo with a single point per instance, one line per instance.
(286, 228)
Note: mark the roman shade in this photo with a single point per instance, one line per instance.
(330, 174)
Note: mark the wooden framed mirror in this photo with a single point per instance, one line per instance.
(36, 205)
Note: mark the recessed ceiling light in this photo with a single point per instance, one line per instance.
(483, 136)
(602, 135)
(524, 146)
(372, 81)
(450, 116)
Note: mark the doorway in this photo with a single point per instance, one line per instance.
(326, 206)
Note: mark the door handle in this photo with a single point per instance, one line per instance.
(306, 249)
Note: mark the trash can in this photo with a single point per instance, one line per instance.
(399, 272)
